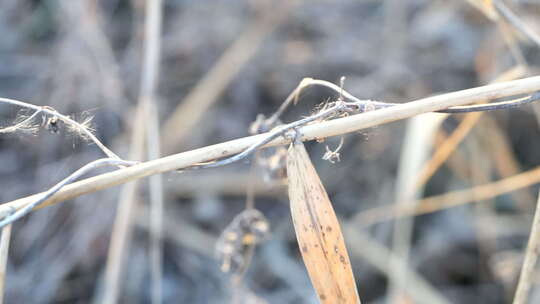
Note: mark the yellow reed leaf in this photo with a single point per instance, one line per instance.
(318, 232)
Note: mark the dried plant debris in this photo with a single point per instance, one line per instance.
(247, 229)
(85, 122)
(24, 122)
(318, 231)
(51, 123)
(333, 155)
(272, 161)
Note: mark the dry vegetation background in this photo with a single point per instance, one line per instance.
(84, 59)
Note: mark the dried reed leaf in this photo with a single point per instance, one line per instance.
(318, 231)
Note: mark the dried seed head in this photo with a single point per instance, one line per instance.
(247, 229)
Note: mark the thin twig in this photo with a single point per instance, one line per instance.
(122, 227)
(21, 125)
(503, 105)
(366, 105)
(150, 74)
(531, 256)
(50, 111)
(500, 149)
(340, 126)
(47, 194)
(444, 150)
(295, 94)
(156, 209)
(415, 151)
(451, 199)
(4, 251)
(511, 42)
(280, 131)
(514, 20)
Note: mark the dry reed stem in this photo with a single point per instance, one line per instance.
(481, 168)
(124, 222)
(222, 183)
(447, 147)
(4, 252)
(17, 214)
(516, 22)
(318, 231)
(456, 162)
(122, 227)
(324, 129)
(415, 151)
(403, 229)
(491, 11)
(150, 73)
(156, 210)
(210, 87)
(511, 41)
(192, 237)
(505, 161)
(465, 126)
(531, 256)
(452, 199)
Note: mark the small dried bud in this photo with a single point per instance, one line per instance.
(247, 229)
(53, 124)
(273, 163)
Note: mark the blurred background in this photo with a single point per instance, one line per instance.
(225, 62)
